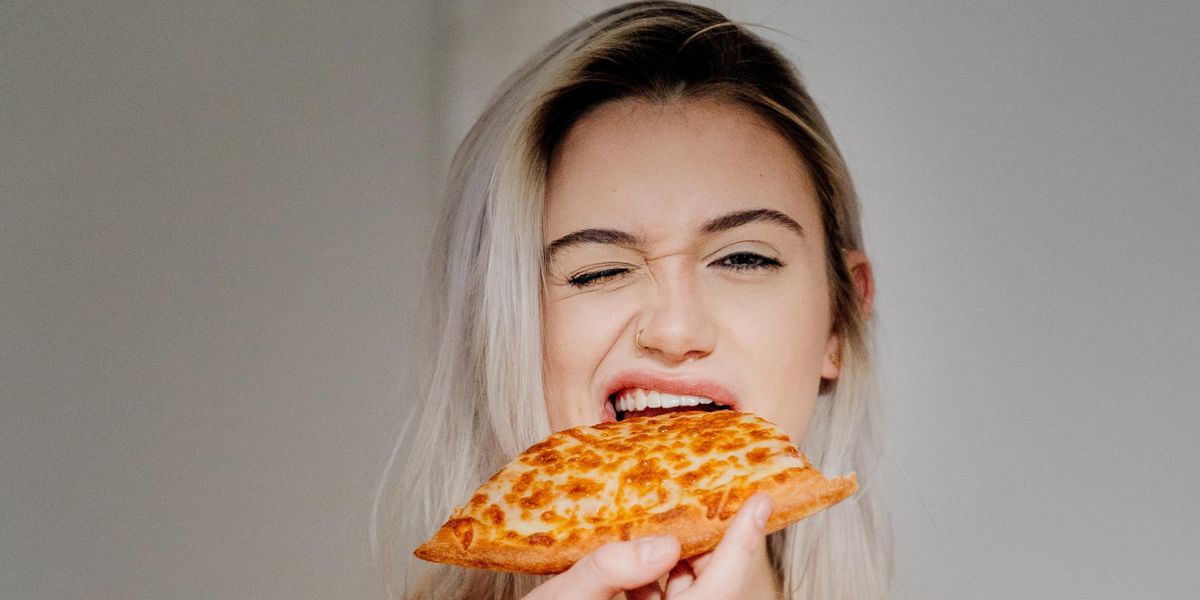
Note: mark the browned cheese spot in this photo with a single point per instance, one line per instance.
(671, 455)
(529, 456)
(540, 497)
(688, 480)
(712, 502)
(549, 516)
(641, 439)
(702, 445)
(582, 437)
(540, 539)
(580, 487)
(463, 530)
(758, 455)
(478, 500)
(494, 515)
(702, 473)
(547, 457)
(645, 476)
(523, 482)
(732, 443)
(586, 460)
(790, 473)
(599, 516)
(668, 514)
(617, 447)
(626, 529)
(738, 493)
(551, 461)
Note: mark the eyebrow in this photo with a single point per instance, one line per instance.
(722, 223)
(745, 217)
(591, 236)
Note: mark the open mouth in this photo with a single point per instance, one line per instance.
(638, 402)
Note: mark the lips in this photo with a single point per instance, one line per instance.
(633, 394)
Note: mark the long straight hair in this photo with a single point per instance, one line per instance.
(483, 401)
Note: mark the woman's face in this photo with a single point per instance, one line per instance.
(686, 264)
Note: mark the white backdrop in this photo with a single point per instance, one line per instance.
(212, 216)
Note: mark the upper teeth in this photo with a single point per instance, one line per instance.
(643, 399)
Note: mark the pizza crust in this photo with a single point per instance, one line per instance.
(697, 520)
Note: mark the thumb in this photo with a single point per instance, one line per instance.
(612, 568)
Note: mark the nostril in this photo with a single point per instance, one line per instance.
(678, 340)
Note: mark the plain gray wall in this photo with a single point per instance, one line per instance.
(213, 216)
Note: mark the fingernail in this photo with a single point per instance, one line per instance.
(653, 549)
(762, 512)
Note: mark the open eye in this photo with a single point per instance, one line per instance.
(746, 261)
(598, 276)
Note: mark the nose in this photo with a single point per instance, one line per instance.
(675, 321)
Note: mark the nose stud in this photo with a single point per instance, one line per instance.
(637, 340)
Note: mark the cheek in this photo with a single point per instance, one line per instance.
(557, 331)
(786, 324)
(577, 336)
(792, 375)
(781, 341)
(566, 340)
(790, 349)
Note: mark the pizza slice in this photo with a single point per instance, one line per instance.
(680, 473)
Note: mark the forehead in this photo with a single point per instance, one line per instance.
(639, 166)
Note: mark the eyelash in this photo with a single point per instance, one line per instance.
(593, 277)
(748, 261)
(738, 261)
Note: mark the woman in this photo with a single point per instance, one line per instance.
(652, 206)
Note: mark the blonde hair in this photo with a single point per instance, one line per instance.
(483, 401)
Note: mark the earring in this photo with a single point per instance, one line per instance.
(637, 340)
(836, 357)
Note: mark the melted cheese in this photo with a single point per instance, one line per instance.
(595, 478)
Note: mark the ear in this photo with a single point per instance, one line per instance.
(864, 288)
(864, 281)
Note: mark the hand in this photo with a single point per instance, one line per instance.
(637, 565)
